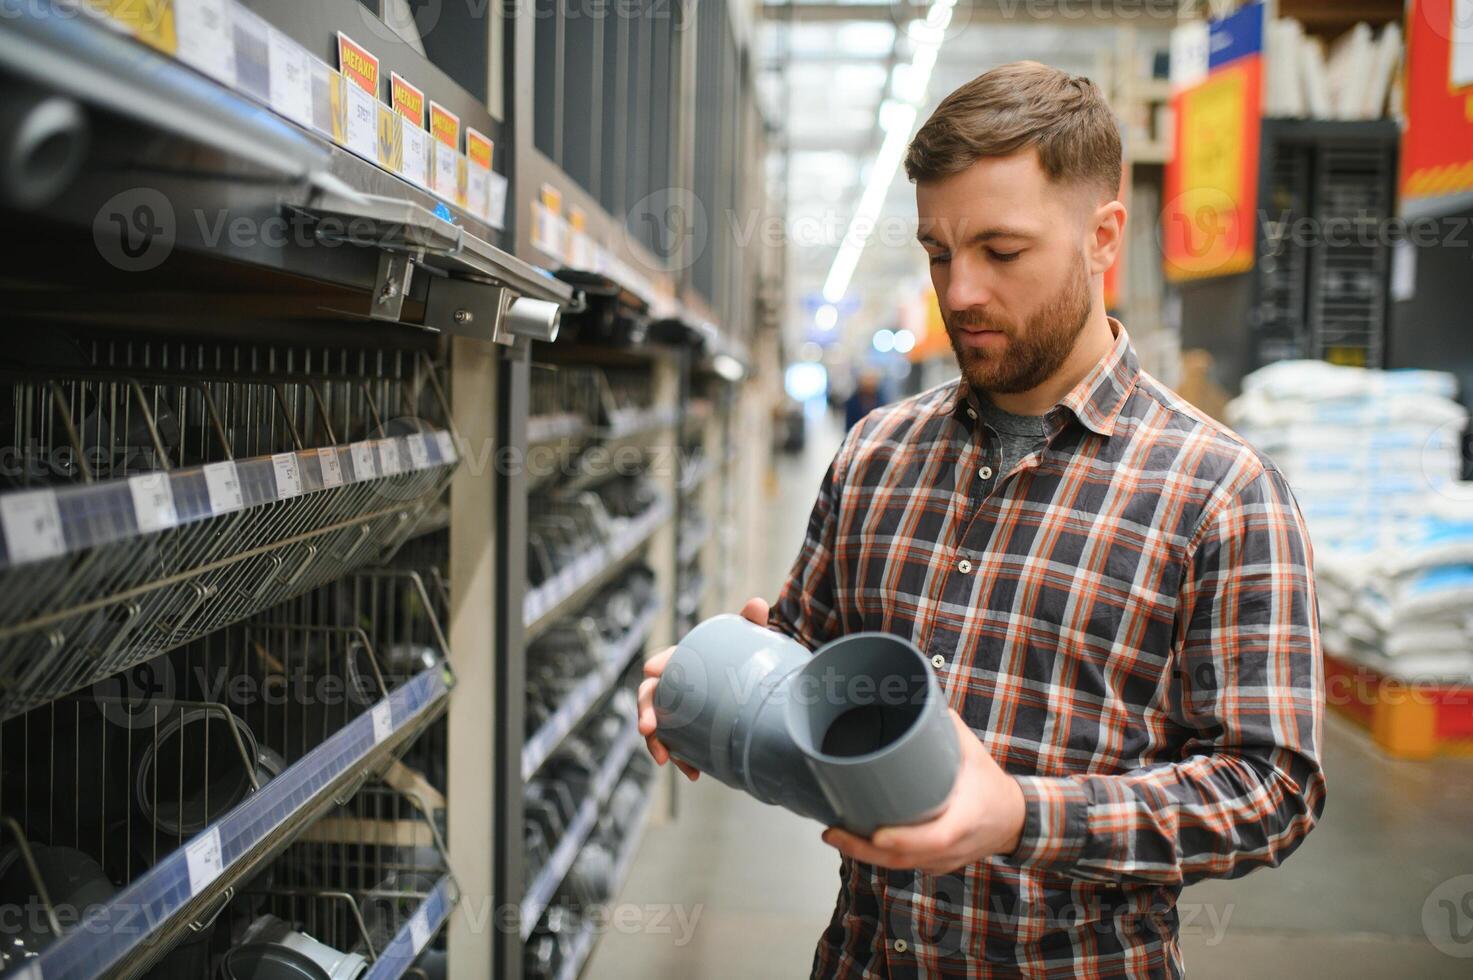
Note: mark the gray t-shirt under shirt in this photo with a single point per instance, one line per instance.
(1019, 434)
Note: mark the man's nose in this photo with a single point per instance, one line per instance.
(968, 286)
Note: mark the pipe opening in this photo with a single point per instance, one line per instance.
(859, 696)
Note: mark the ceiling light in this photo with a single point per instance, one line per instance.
(884, 341)
(826, 317)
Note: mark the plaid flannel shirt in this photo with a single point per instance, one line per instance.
(1126, 620)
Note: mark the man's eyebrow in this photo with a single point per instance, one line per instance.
(985, 235)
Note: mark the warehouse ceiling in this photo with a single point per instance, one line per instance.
(827, 69)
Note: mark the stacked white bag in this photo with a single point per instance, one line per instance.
(1374, 458)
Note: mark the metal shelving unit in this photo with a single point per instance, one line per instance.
(262, 461)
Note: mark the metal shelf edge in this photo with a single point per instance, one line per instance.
(96, 514)
(587, 938)
(543, 605)
(544, 886)
(412, 938)
(565, 719)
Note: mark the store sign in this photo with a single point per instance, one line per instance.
(444, 167)
(1209, 219)
(409, 103)
(1437, 144)
(358, 65)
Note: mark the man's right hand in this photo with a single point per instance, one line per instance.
(754, 611)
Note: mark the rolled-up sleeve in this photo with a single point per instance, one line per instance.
(1248, 686)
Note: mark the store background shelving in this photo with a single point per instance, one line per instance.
(380, 537)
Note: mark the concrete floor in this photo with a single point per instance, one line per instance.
(730, 888)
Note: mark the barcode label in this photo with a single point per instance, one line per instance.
(205, 860)
(223, 483)
(362, 121)
(419, 928)
(388, 457)
(207, 37)
(32, 525)
(419, 452)
(383, 721)
(291, 79)
(363, 465)
(288, 476)
(153, 502)
(447, 447)
(332, 467)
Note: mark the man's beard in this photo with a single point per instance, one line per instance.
(1032, 354)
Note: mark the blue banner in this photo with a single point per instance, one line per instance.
(1235, 36)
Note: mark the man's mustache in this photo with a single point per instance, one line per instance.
(974, 320)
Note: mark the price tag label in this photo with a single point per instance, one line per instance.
(448, 454)
(153, 502)
(383, 721)
(332, 467)
(496, 201)
(362, 123)
(416, 167)
(288, 475)
(291, 79)
(223, 483)
(445, 178)
(477, 185)
(32, 525)
(388, 457)
(419, 451)
(419, 928)
(206, 37)
(363, 464)
(205, 860)
(252, 40)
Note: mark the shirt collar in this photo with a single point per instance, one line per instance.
(1095, 401)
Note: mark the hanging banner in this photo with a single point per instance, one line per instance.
(1437, 142)
(1209, 220)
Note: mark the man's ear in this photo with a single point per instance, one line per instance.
(1106, 237)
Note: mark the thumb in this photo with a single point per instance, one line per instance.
(755, 611)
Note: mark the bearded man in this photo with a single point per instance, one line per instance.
(1114, 589)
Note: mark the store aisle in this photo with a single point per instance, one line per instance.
(755, 885)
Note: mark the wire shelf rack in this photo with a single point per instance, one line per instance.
(181, 777)
(371, 882)
(145, 511)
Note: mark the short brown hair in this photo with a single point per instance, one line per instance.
(1015, 106)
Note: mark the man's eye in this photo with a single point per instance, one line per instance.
(1004, 256)
(939, 257)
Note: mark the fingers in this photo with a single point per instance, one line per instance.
(647, 721)
(648, 724)
(756, 611)
(856, 847)
(655, 666)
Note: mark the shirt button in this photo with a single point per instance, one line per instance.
(938, 661)
(901, 945)
(985, 472)
(972, 414)
(964, 566)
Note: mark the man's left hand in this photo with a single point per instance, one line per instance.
(983, 816)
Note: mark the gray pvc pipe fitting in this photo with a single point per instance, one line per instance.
(856, 735)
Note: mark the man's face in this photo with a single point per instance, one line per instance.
(1008, 254)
